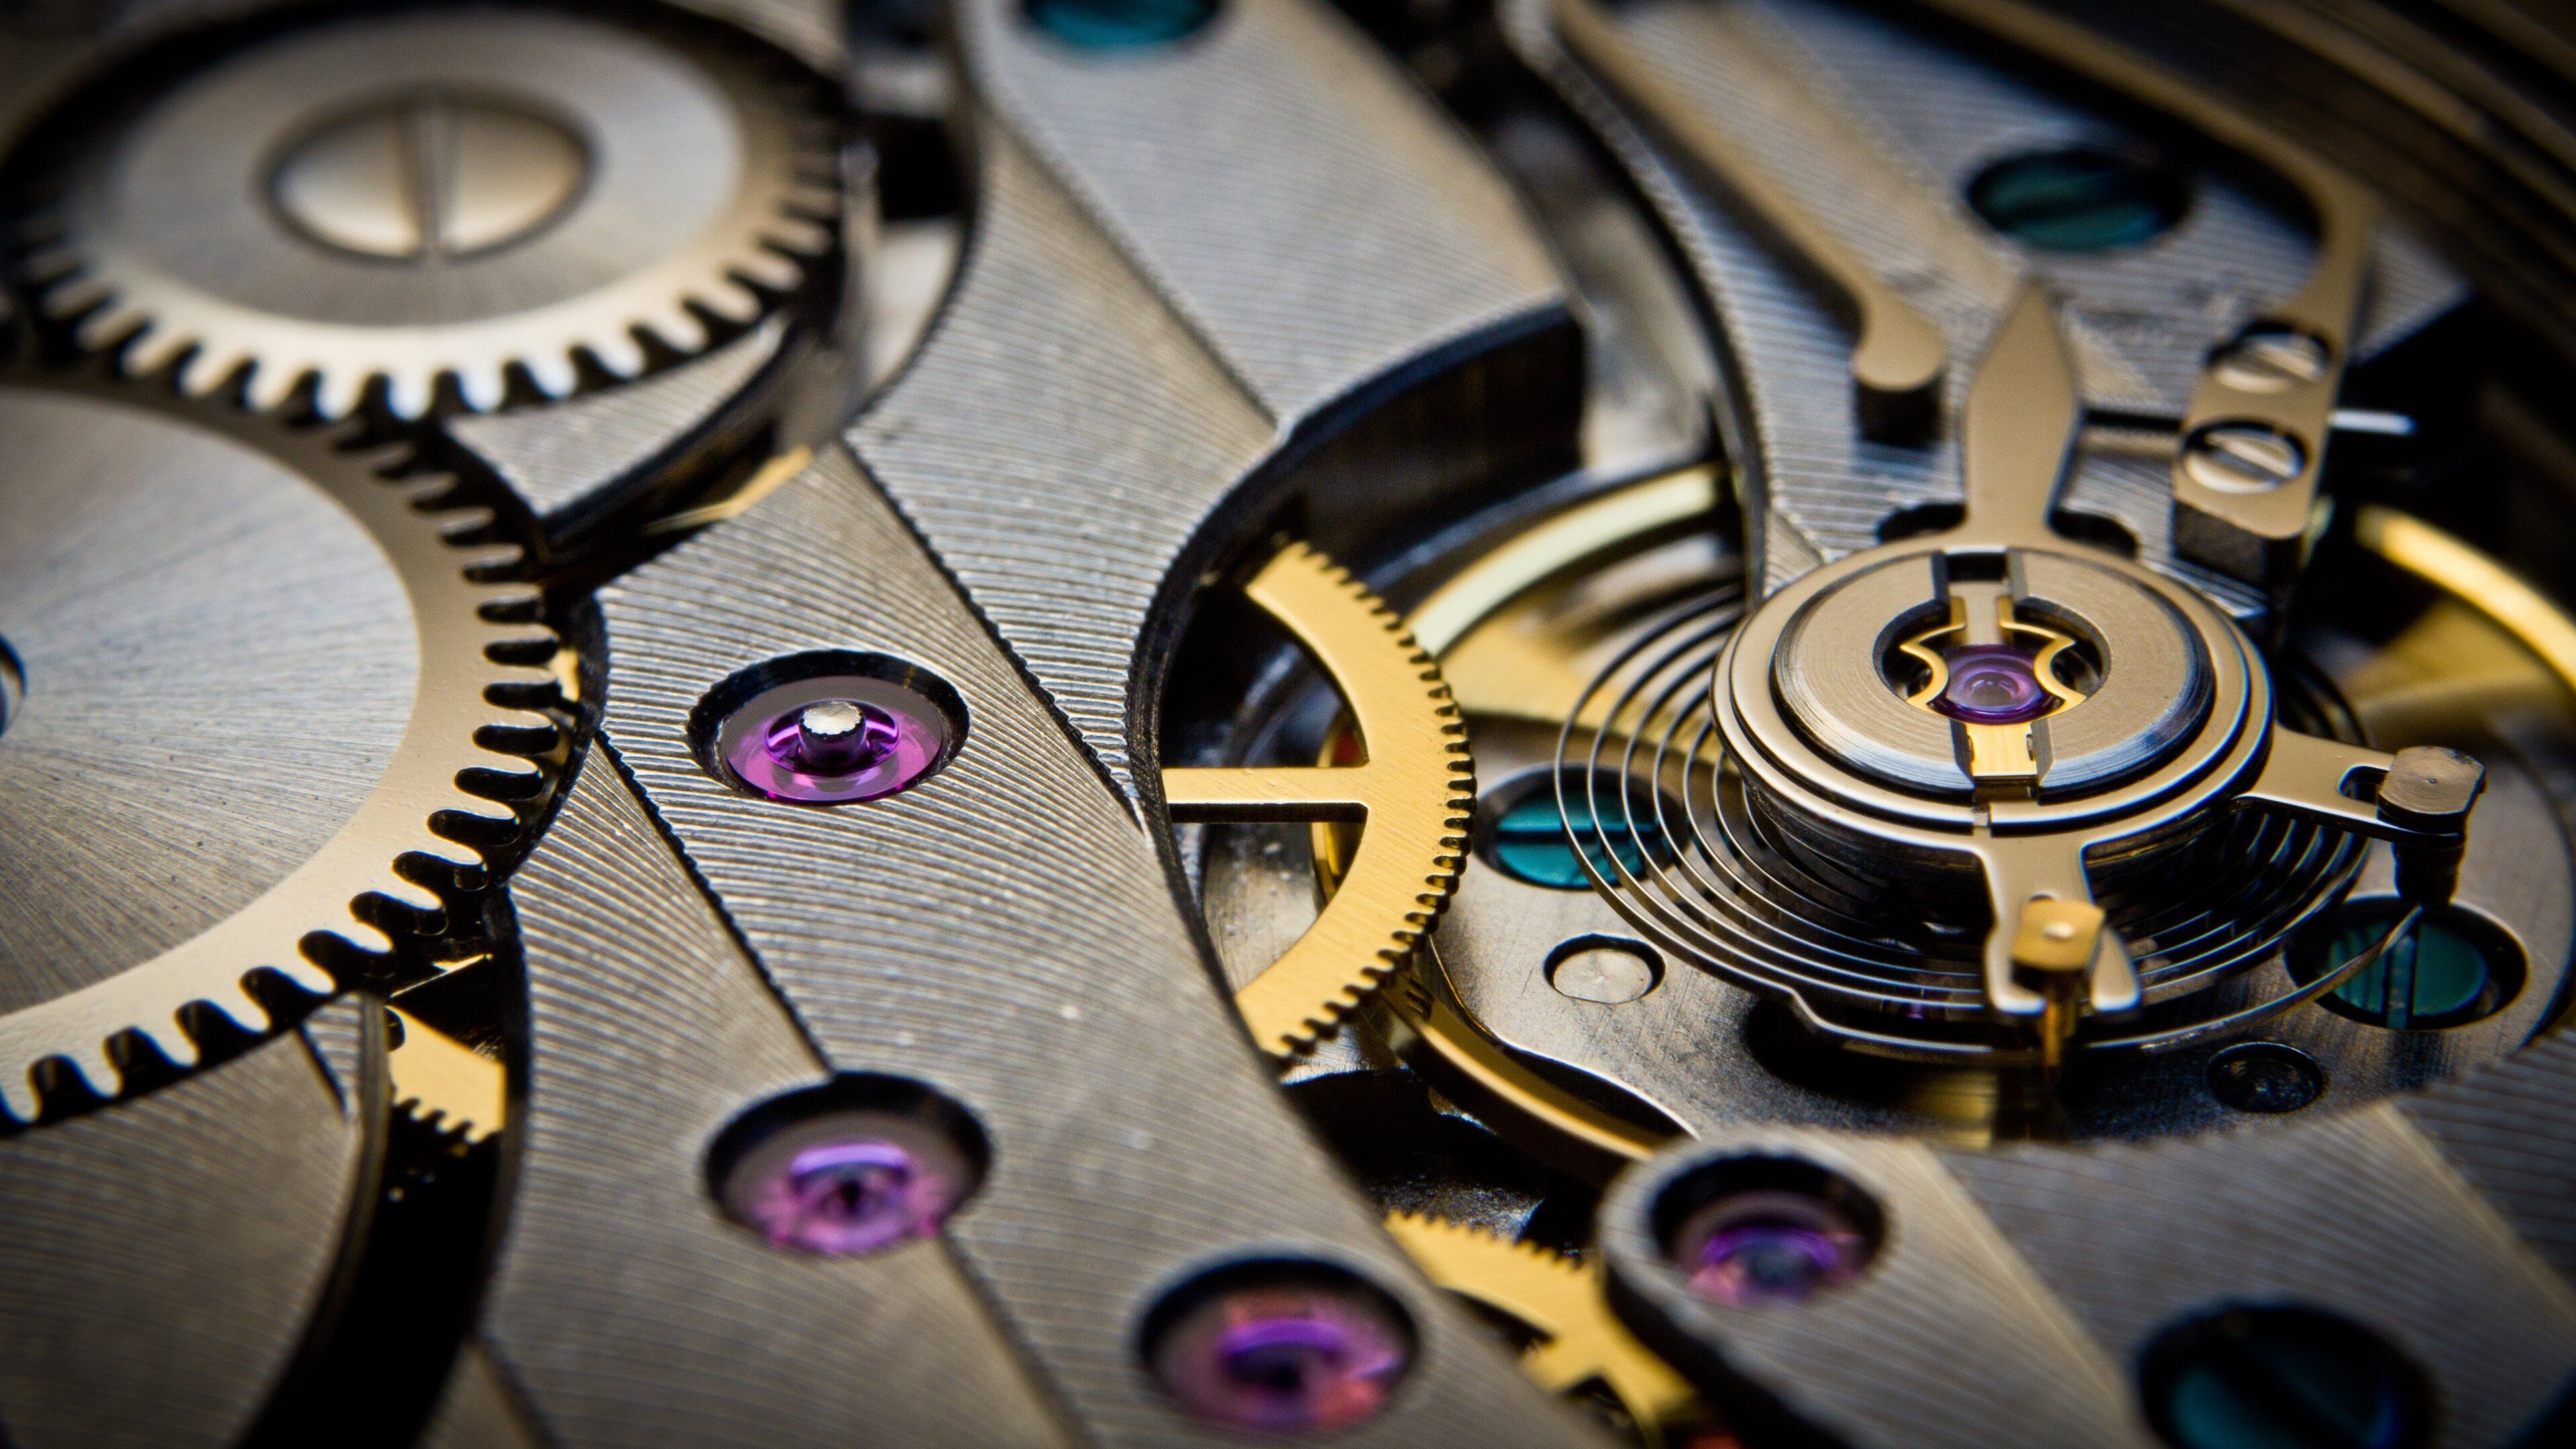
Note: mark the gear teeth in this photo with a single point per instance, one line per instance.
(154, 352)
(481, 390)
(618, 352)
(553, 373)
(455, 523)
(96, 1072)
(771, 270)
(411, 895)
(790, 203)
(170, 1038)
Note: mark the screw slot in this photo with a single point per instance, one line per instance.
(1754, 1230)
(2456, 968)
(2242, 457)
(2265, 1076)
(2244, 1377)
(1279, 1346)
(2271, 357)
(856, 1166)
(828, 728)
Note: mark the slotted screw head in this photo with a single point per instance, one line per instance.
(2242, 457)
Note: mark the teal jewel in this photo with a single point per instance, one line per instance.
(1119, 24)
(1530, 845)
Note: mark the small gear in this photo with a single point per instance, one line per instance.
(238, 730)
(1411, 796)
(439, 195)
(1579, 1340)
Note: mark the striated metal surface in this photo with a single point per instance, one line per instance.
(1946, 1322)
(163, 1258)
(475, 1410)
(2509, 1132)
(246, 574)
(1003, 932)
(2358, 1214)
(1185, 258)
(566, 460)
(1057, 439)
(625, 1309)
(1872, 125)
(1282, 185)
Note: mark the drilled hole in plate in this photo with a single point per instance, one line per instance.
(2265, 1076)
(1604, 970)
(1119, 24)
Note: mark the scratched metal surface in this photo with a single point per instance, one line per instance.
(1181, 258)
(162, 1258)
(623, 1307)
(1004, 933)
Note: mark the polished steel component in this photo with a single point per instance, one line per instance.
(1410, 796)
(622, 1298)
(140, 880)
(439, 197)
(2259, 423)
(1897, 357)
(2052, 1267)
(1828, 669)
(1873, 123)
(170, 1258)
(1186, 261)
(1052, 990)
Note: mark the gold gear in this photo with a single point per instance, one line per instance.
(1411, 795)
(1580, 1340)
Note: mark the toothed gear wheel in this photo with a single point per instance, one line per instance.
(442, 195)
(251, 675)
(1410, 790)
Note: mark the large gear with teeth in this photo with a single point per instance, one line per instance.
(447, 197)
(1409, 786)
(260, 690)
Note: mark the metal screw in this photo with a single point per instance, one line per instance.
(2270, 357)
(427, 177)
(2243, 458)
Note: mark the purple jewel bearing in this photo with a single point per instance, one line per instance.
(846, 1172)
(1296, 1349)
(1993, 684)
(832, 740)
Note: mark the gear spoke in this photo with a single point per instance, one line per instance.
(1410, 797)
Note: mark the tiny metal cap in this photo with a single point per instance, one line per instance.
(2057, 935)
(2430, 788)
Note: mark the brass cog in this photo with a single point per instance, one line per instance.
(1580, 1340)
(1411, 797)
